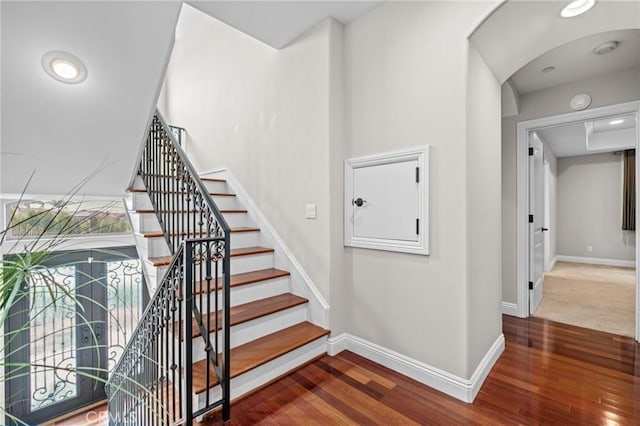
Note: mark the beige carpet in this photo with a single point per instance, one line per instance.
(591, 296)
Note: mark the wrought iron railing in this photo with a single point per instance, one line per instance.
(152, 384)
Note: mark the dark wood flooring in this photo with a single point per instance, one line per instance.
(549, 374)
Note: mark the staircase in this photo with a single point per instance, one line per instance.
(270, 333)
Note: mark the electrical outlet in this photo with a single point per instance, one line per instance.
(589, 249)
(310, 211)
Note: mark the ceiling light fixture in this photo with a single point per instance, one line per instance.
(64, 67)
(548, 69)
(618, 121)
(580, 101)
(606, 47)
(577, 7)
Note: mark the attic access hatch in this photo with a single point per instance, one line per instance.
(386, 204)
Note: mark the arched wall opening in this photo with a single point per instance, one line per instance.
(515, 34)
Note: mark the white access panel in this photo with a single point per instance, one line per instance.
(390, 194)
(386, 202)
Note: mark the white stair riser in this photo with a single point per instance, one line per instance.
(252, 330)
(148, 222)
(226, 202)
(153, 247)
(242, 264)
(245, 239)
(267, 372)
(140, 201)
(239, 265)
(145, 222)
(250, 292)
(216, 186)
(236, 220)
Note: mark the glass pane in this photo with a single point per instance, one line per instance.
(55, 218)
(52, 336)
(124, 303)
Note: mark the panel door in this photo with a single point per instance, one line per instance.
(536, 228)
(389, 201)
(60, 353)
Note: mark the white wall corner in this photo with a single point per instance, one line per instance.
(553, 263)
(509, 308)
(301, 282)
(510, 99)
(457, 387)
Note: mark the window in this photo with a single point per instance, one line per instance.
(34, 218)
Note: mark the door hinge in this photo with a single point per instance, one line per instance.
(530, 150)
(530, 218)
(418, 226)
(530, 285)
(417, 174)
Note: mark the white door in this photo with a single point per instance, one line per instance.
(386, 201)
(536, 222)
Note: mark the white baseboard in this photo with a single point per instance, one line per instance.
(510, 309)
(463, 389)
(596, 261)
(552, 264)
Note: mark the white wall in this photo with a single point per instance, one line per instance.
(284, 121)
(483, 207)
(590, 208)
(605, 90)
(264, 113)
(404, 89)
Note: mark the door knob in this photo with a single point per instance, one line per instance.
(544, 229)
(358, 202)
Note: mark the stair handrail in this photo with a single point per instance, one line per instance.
(199, 240)
(192, 171)
(124, 379)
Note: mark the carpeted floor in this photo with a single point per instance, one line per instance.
(591, 296)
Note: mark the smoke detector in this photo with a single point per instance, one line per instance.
(580, 102)
(606, 47)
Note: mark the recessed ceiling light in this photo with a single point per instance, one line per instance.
(606, 47)
(64, 67)
(577, 7)
(548, 69)
(617, 121)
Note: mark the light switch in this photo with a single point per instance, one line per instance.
(310, 210)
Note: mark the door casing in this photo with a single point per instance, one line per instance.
(522, 190)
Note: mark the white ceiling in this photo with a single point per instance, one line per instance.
(65, 132)
(576, 61)
(573, 139)
(278, 23)
(519, 31)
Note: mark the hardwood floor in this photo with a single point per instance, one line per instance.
(550, 373)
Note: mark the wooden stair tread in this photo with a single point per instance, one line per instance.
(213, 194)
(258, 352)
(158, 234)
(248, 251)
(246, 278)
(244, 251)
(248, 311)
(245, 229)
(210, 179)
(151, 211)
